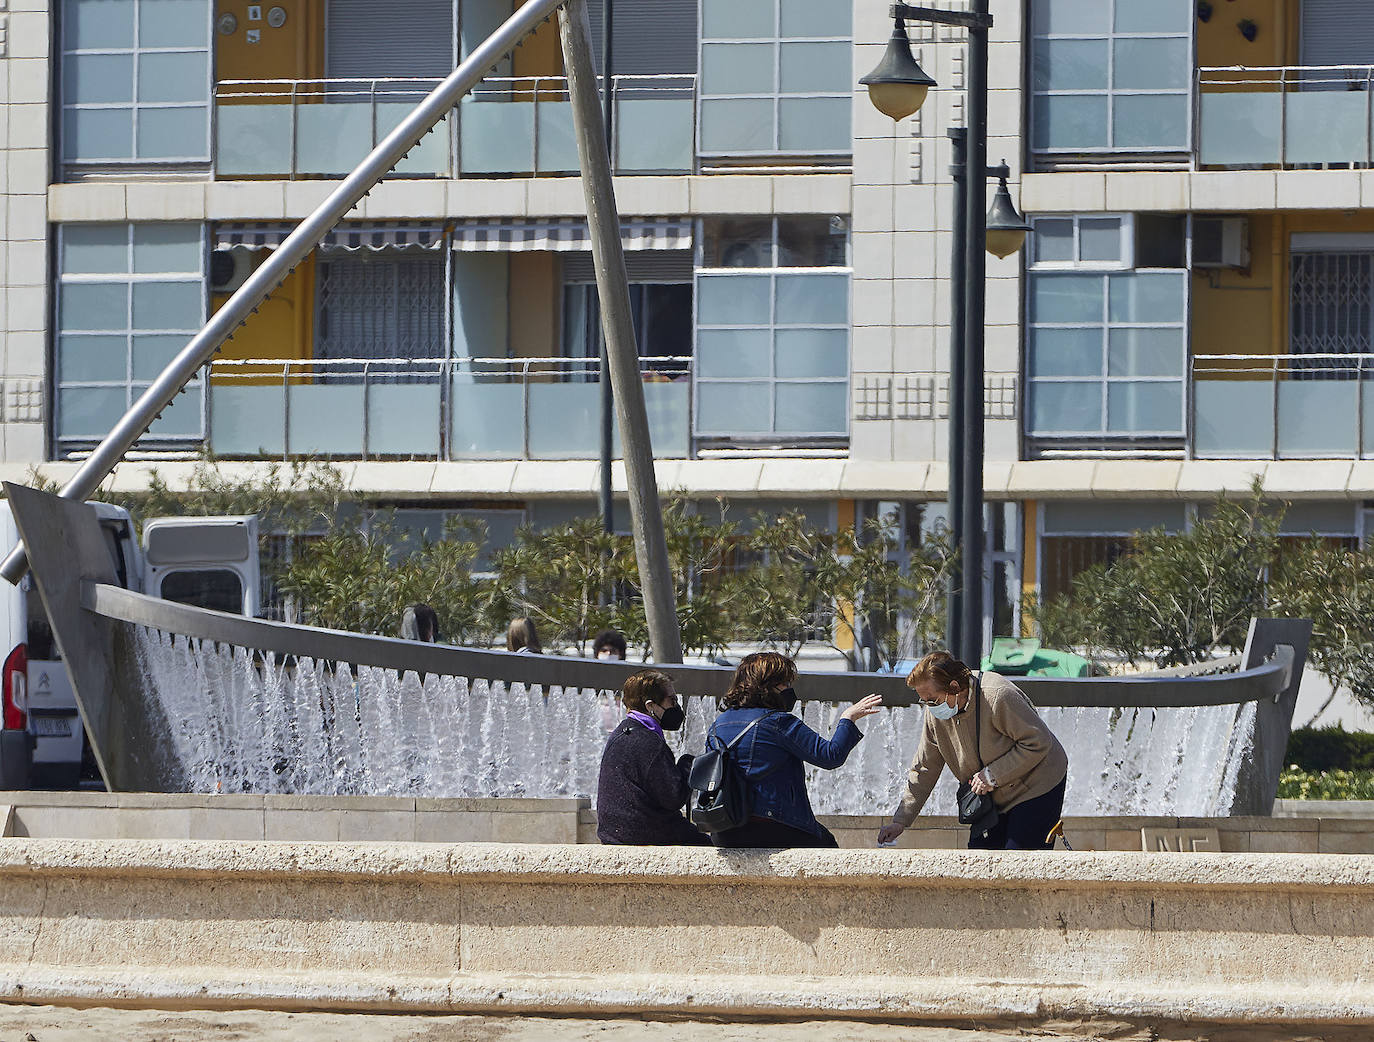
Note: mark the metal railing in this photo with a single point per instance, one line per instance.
(1289, 117)
(1308, 406)
(298, 129)
(431, 408)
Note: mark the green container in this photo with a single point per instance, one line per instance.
(1015, 657)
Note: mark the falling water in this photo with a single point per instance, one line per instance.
(249, 722)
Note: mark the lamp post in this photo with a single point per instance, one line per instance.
(898, 88)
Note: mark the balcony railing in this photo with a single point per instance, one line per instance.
(323, 128)
(432, 408)
(1285, 116)
(1283, 406)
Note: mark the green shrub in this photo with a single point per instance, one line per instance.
(1317, 749)
(1295, 784)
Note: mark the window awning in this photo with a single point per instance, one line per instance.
(502, 235)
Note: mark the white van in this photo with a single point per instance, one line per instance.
(210, 562)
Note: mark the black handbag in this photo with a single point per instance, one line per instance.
(977, 809)
(720, 793)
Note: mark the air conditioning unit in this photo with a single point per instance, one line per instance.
(229, 269)
(1221, 242)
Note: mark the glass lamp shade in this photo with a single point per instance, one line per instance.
(898, 86)
(1006, 228)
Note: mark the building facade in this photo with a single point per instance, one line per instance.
(1194, 308)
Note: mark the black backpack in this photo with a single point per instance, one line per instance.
(720, 793)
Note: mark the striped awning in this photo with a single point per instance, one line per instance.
(503, 235)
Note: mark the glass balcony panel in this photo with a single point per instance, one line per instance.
(1070, 121)
(655, 135)
(1326, 127)
(736, 125)
(732, 408)
(1145, 352)
(564, 420)
(325, 420)
(93, 358)
(431, 156)
(488, 420)
(162, 248)
(1157, 16)
(95, 306)
(1075, 299)
(176, 133)
(178, 76)
(737, 19)
(1065, 408)
(95, 249)
(669, 429)
(1240, 129)
(1150, 121)
(734, 353)
(1070, 64)
(1066, 352)
(813, 407)
(247, 421)
(331, 139)
(98, 23)
(1071, 17)
(89, 412)
(1147, 297)
(152, 352)
(733, 300)
(813, 353)
(403, 419)
(813, 125)
(1234, 419)
(1318, 418)
(497, 137)
(92, 135)
(1367, 415)
(253, 139)
(174, 23)
(168, 305)
(812, 299)
(737, 68)
(184, 418)
(1152, 64)
(808, 68)
(100, 79)
(557, 151)
(1145, 408)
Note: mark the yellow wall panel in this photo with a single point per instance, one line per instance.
(293, 51)
(284, 326)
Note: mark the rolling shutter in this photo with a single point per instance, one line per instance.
(1336, 32)
(365, 39)
(652, 37)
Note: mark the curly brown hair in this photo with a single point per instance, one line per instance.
(758, 681)
(941, 667)
(648, 685)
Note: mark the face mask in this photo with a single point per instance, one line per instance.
(943, 711)
(672, 718)
(789, 699)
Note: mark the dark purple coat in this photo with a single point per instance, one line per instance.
(641, 791)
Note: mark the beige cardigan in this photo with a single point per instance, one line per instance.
(1023, 757)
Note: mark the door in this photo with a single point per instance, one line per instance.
(206, 562)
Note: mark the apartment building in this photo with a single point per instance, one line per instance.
(1194, 307)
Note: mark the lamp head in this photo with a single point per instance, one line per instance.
(898, 86)
(1006, 228)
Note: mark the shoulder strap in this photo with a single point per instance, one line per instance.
(978, 722)
(736, 740)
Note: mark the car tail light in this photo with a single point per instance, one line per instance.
(15, 683)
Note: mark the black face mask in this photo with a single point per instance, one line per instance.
(672, 718)
(788, 698)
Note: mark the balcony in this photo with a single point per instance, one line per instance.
(297, 129)
(451, 408)
(1283, 406)
(1288, 117)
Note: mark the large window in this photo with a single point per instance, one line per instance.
(129, 299)
(772, 350)
(660, 302)
(1106, 331)
(776, 77)
(1111, 75)
(135, 81)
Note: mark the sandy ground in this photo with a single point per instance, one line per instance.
(52, 1024)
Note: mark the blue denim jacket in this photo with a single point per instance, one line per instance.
(772, 757)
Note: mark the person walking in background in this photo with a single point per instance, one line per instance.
(642, 790)
(521, 636)
(420, 622)
(609, 644)
(984, 728)
(773, 755)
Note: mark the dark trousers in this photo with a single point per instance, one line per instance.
(1025, 826)
(772, 835)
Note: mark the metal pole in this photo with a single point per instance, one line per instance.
(958, 168)
(291, 252)
(607, 398)
(617, 323)
(975, 287)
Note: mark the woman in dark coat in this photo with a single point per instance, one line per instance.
(642, 790)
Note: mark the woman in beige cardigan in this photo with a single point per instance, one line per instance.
(1022, 764)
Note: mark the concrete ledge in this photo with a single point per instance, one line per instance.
(1279, 938)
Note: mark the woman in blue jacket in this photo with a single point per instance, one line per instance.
(773, 753)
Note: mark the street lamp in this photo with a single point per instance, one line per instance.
(897, 88)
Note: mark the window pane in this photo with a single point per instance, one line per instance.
(101, 305)
(95, 134)
(167, 305)
(745, 125)
(98, 78)
(97, 23)
(804, 299)
(734, 352)
(737, 19)
(167, 248)
(1065, 408)
(733, 408)
(726, 300)
(180, 419)
(816, 18)
(1156, 16)
(1066, 298)
(174, 23)
(1100, 240)
(810, 242)
(1145, 407)
(173, 133)
(1066, 352)
(1151, 64)
(1079, 17)
(1145, 352)
(738, 244)
(1147, 298)
(814, 68)
(737, 68)
(95, 249)
(821, 353)
(1053, 240)
(814, 125)
(173, 77)
(1070, 122)
(811, 408)
(152, 352)
(89, 412)
(1070, 65)
(88, 359)
(1150, 121)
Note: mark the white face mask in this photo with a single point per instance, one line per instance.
(943, 711)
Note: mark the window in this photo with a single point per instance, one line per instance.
(776, 77)
(660, 302)
(135, 81)
(1106, 339)
(218, 589)
(129, 299)
(1077, 536)
(772, 329)
(1111, 75)
(385, 306)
